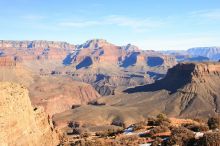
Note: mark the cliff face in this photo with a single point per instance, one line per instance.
(21, 124)
(213, 53)
(34, 44)
(7, 62)
(193, 89)
(190, 90)
(200, 94)
(35, 50)
(59, 94)
(105, 65)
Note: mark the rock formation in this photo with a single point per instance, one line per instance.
(58, 94)
(21, 51)
(190, 86)
(20, 123)
(106, 65)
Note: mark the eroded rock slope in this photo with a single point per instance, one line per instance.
(20, 123)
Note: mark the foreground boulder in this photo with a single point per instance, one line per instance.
(20, 123)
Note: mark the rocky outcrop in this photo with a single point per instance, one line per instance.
(20, 123)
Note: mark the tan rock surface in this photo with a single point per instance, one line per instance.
(20, 124)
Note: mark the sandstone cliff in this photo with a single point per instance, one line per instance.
(20, 123)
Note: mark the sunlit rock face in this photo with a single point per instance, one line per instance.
(20, 123)
(107, 66)
(35, 50)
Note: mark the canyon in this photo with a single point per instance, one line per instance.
(97, 84)
(107, 67)
(189, 90)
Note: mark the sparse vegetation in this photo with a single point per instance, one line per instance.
(161, 119)
(181, 136)
(214, 122)
(72, 124)
(96, 103)
(157, 142)
(139, 126)
(117, 121)
(109, 132)
(196, 127)
(159, 129)
(210, 139)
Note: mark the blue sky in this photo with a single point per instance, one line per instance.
(149, 24)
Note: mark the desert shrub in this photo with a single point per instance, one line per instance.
(138, 126)
(210, 139)
(128, 140)
(72, 124)
(159, 129)
(85, 134)
(153, 122)
(109, 132)
(76, 131)
(157, 142)
(214, 122)
(181, 136)
(196, 127)
(117, 121)
(161, 119)
(79, 131)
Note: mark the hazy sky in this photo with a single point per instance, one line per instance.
(149, 24)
